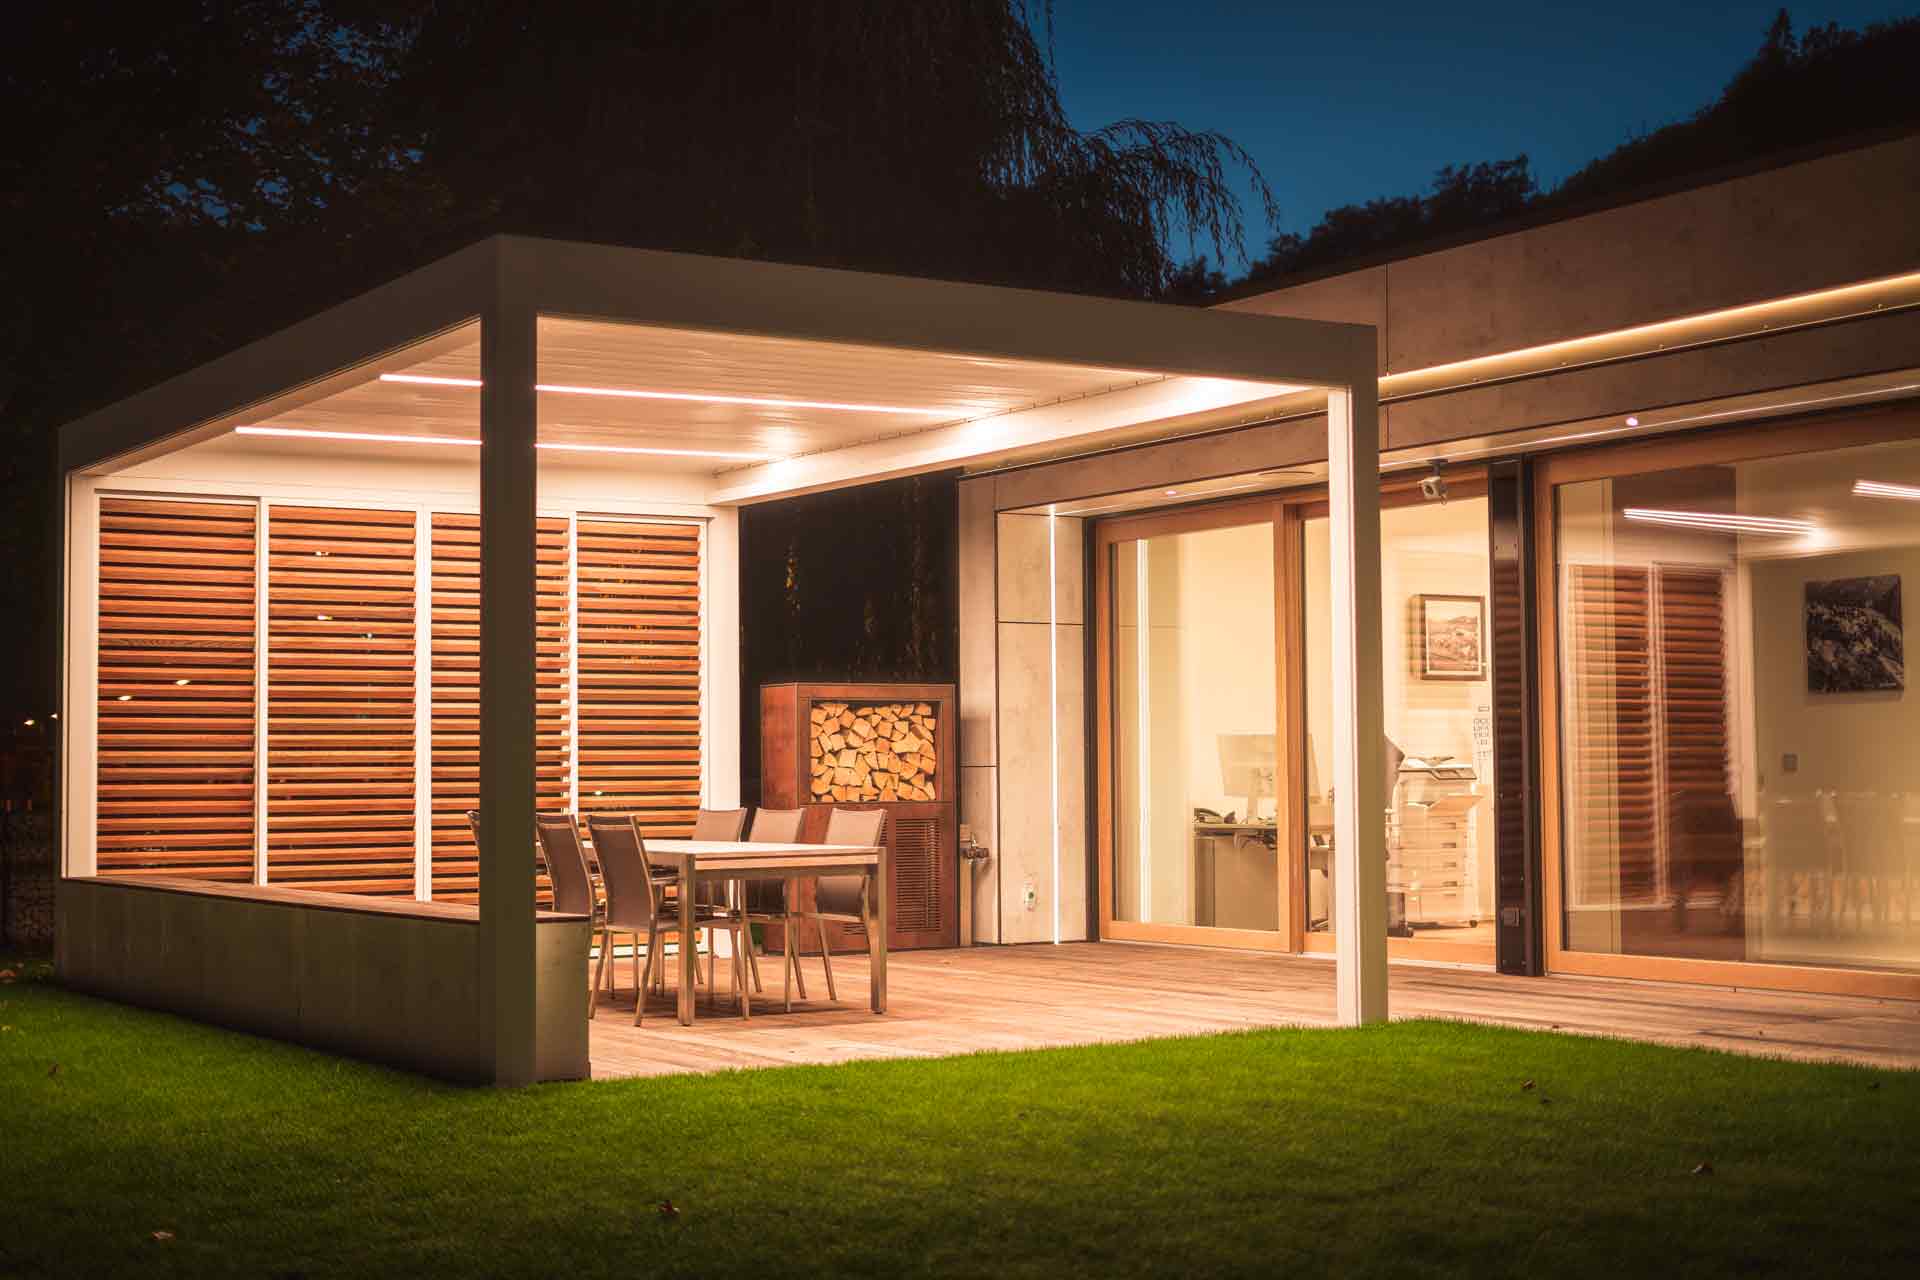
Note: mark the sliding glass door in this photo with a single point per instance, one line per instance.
(1191, 812)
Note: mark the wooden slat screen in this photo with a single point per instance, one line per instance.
(1697, 815)
(639, 671)
(1646, 730)
(177, 702)
(456, 693)
(340, 699)
(1613, 817)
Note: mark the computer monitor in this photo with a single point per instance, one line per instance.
(1247, 762)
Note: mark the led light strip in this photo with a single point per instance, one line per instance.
(469, 442)
(692, 397)
(1053, 706)
(1773, 526)
(1875, 489)
(1143, 630)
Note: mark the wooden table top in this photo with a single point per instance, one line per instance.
(765, 855)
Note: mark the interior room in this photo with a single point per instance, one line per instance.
(1439, 715)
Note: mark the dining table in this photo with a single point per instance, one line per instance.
(720, 862)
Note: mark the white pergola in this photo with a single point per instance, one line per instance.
(745, 382)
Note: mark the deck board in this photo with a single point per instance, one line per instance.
(1030, 997)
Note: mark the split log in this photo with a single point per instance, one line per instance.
(873, 752)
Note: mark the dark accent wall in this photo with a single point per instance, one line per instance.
(1516, 805)
(854, 585)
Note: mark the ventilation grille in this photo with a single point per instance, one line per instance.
(456, 693)
(340, 699)
(916, 875)
(639, 620)
(176, 651)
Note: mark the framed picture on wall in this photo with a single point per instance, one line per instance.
(1854, 640)
(1453, 637)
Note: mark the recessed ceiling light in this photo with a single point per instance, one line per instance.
(469, 442)
(429, 380)
(182, 681)
(1633, 421)
(1171, 492)
(125, 697)
(695, 397)
(1721, 522)
(1876, 489)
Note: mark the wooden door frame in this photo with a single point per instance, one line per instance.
(1267, 509)
(1821, 433)
(1287, 511)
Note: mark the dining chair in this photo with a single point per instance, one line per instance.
(727, 826)
(636, 906)
(841, 898)
(766, 899)
(558, 840)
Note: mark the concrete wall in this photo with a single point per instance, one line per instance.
(1814, 225)
(391, 986)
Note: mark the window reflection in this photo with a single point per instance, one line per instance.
(1738, 757)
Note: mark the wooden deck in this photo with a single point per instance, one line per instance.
(985, 998)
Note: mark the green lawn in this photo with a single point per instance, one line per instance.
(1412, 1149)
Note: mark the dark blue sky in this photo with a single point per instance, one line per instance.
(1343, 102)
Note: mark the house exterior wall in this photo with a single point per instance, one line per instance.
(1824, 223)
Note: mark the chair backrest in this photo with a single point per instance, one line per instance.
(631, 901)
(855, 826)
(777, 826)
(719, 824)
(566, 861)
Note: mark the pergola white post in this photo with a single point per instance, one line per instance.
(508, 482)
(1359, 716)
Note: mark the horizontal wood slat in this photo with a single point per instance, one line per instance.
(340, 699)
(456, 693)
(639, 671)
(175, 761)
(1646, 736)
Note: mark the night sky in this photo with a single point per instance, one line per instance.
(1339, 103)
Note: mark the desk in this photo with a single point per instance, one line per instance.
(698, 862)
(1237, 893)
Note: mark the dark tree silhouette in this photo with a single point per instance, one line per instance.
(179, 178)
(1830, 83)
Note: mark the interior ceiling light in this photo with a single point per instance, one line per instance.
(429, 380)
(1718, 522)
(694, 397)
(1875, 489)
(470, 442)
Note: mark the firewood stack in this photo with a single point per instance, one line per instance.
(881, 752)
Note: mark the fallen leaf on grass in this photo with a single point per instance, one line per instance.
(53, 1071)
(1703, 1168)
(1525, 1085)
(162, 1236)
(668, 1209)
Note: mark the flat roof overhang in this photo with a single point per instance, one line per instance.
(779, 380)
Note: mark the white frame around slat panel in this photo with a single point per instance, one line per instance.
(423, 705)
(80, 728)
(261, 667)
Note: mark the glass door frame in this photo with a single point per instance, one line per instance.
(1840, 430)
(1106, 535)
(1287, 510)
